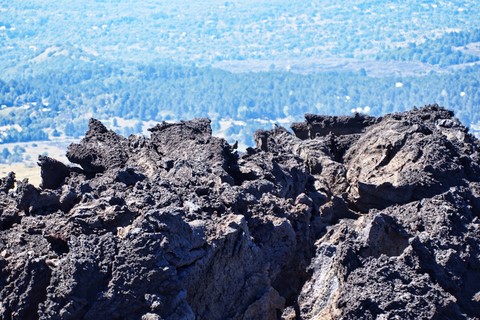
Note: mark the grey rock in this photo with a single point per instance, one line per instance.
(347, 218)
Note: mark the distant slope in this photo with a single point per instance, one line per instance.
(236, 62)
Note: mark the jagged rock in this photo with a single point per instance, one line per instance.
(404, 158)
(7, 183)
(317, 125)
(347, 218)
(52, 171)
(100, 150)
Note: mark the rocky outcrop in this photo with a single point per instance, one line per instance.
(351, 218)
(318, 126)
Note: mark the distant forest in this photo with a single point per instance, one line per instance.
(64, 62)
(60, 99)
(449, 50)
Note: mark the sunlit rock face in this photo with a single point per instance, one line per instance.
(348, 218)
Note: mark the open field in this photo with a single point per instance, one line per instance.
(22, 171)
(29, 168)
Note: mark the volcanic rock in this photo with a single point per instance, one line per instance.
(348, 218)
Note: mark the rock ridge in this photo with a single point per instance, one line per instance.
(345, 218)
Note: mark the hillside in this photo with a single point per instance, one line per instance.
(346, 218)
(257, 62)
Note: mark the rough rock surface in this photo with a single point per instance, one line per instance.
(351, 218)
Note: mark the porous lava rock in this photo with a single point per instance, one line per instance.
(346, 218)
